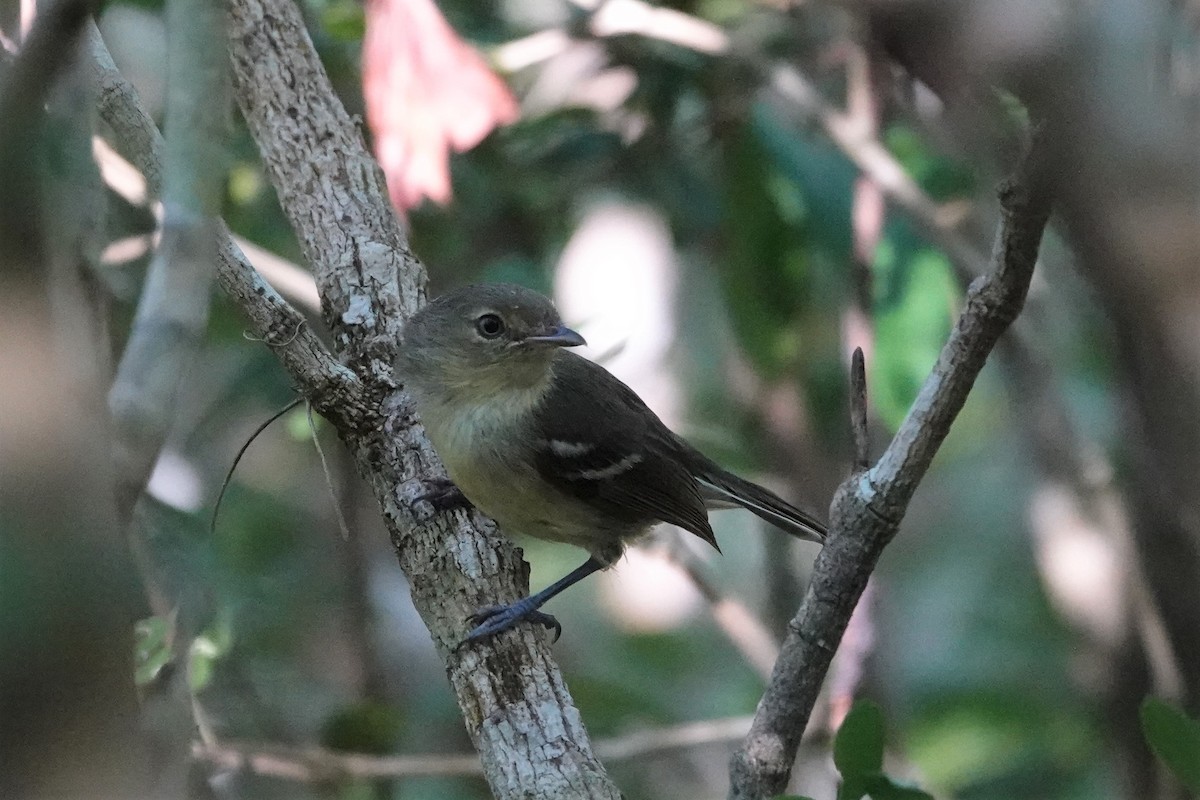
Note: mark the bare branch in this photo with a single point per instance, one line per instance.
(316, 764)
(938, 222)
(333, 389)
(858, 410)
(295, 282)
(869, 506)
(736, 621)
(516, 706)
(172, 314)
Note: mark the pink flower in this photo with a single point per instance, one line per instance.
(426, 92)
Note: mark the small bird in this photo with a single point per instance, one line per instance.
(552, 445)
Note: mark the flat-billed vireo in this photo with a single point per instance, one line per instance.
(551, 445)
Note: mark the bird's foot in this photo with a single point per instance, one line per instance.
(442, 495)
(490, 620)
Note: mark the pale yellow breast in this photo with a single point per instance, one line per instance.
(486, 452)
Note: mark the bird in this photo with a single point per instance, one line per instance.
(552, 445)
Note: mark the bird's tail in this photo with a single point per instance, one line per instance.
(721, 489)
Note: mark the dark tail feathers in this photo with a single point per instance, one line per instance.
(723, 489)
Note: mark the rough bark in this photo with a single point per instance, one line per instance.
(516, 706)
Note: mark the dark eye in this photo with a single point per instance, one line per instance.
(489, 326)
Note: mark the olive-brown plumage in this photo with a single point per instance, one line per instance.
(554, 446)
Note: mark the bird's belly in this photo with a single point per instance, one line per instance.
(507, 488)
(526, 505)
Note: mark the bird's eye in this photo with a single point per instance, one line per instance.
(489, 326)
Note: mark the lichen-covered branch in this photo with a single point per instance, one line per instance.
(515, 724)
(517, 709)
(869, 506)
(332, 388)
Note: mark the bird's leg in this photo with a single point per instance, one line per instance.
(493, 619)
(443, 495)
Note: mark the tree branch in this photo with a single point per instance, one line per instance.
(172, 314)
(868, 508)
(517, 709)
(452, 566)
(316, 764)
(332, 388)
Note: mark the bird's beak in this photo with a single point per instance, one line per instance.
(560, 335)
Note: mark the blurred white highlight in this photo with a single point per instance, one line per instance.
(1079, 563)
(616, 284)
(646, 593)
(175, 482)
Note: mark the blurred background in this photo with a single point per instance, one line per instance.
(725, 197)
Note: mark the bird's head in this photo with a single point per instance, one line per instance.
(482, 338)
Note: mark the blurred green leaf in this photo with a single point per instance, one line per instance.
(765, 273)
(914, 312)
(1175, 739)
(366, 727)
(822, 177)
(852, 788)
(858, 755)
(881, 787)
(344, 20)
(858, 747)
(999, 738)
(207, 649)
(942, 178)
(297, 424)
(152, 649)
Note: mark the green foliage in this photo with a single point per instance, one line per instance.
(207, 649)
(787, 241)
(941, 178)
(822, 180)
(152, 649)
(365, 727)
(1175, 739)
(858, 748)
(343, 20)
(858, 755)
(914, 310)
(767, 265)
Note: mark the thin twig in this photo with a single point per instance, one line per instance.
(869, 506)
(295, 282)
(317, 764)
(738, 623)
(858, 410)
(333, 496)
(172, 314)
(332, 387)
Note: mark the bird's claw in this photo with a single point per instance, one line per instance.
(442, 495)
(490, 620)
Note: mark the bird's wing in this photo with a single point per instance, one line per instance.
(603, 446)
